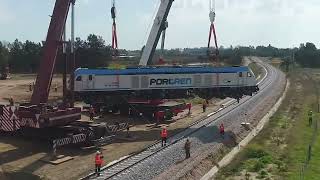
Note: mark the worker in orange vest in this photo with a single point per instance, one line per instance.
(222, 130)
(164, 135)
(189, 108)
(98, 162)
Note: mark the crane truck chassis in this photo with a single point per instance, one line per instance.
(58, 124)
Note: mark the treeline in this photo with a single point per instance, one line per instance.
(24, 57)
(308, 55)
(232, 55)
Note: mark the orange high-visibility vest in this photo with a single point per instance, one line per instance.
(98, 159)
(164, 133)
(221, 128)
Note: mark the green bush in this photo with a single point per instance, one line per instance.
(263, 173)
(256, 152)
(266, 159)
(258, 166)
(254, 165)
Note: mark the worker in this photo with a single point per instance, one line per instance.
(11, 102)
(128, 131)
(157, 117)
(204, 105)
(310, 118)
(164, 136)
(98, 162)
(56, 87)
(189, 108)
(222, 130)
(30, 87)
(91, 113)
(187, 148)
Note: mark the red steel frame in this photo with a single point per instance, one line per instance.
(50, 50)
(213, 31)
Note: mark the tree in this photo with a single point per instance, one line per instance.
(92, 53)
(95, 42)
(32, 55)
(16, 62)
(4, 56)
(308, 55)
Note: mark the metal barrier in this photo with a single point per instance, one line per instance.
(113, 129)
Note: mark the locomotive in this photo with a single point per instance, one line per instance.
(107, 85)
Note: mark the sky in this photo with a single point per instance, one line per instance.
(281, 23)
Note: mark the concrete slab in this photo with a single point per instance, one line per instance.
(60, 159)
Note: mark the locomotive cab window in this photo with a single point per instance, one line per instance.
(79, 78)
(249, 74)
(90, 78)
(240, 74)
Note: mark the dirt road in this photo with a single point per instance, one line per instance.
(18, 88)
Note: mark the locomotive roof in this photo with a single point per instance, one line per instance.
(161, 70)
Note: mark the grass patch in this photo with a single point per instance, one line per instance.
(281, 147)
(256, 69)
(195, 100)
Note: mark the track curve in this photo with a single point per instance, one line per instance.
(154, 160)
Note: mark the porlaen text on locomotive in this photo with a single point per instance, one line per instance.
(176, 81)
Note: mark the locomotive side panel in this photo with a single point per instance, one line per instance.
(162, 81)
(228, 79)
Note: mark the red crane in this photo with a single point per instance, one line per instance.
(50, 51)
(41, 114)
(212, 16)
(114, 30)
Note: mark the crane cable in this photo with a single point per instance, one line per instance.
(212, 16)
(114, 30)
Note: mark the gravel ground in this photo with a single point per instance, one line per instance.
(254, 111)
(170, 163)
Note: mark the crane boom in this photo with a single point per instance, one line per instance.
(155, 33)
(50, 50)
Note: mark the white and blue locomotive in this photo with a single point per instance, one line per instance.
(93, 85)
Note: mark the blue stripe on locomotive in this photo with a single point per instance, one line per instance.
(161, 70)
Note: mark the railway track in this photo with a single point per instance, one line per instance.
(115, 171)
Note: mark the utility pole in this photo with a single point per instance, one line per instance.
(73, 54)
(65, 61)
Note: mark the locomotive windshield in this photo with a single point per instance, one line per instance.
(79, 78)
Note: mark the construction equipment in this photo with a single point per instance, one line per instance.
(41, 119)
(156, 30)
(161, 59)
(114, 30)
(104, 86)
(4, 73)
(212, 16)
(160, 25)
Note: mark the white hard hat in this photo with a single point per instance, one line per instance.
(98, 152)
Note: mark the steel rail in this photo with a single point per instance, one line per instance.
(264, 83)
